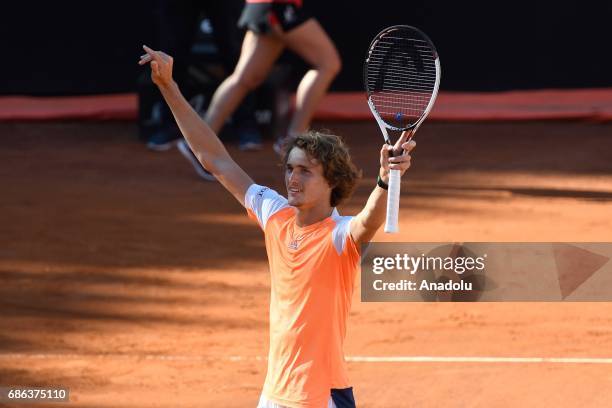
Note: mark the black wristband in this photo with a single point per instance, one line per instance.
(381, 183)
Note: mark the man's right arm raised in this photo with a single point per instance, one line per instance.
(203, 141)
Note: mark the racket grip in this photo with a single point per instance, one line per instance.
(393, 196)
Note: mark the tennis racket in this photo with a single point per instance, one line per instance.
(401, 75)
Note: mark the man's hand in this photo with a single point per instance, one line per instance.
(161, 66)
(401, 158)
(365, 224)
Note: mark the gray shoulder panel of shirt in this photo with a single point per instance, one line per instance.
(341, 230)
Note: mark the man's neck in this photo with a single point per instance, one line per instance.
(310, 216)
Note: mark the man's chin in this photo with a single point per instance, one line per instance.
(294, 202)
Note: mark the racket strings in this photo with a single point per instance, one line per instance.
(401, 77)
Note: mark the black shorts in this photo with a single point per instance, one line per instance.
(263, 18)
(343, 397)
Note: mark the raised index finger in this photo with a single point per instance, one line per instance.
(152, 53)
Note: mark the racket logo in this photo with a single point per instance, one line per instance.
(399, 116)
(401, 53)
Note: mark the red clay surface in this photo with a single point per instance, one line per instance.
(133, 283)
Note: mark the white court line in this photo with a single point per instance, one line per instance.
(352, 359)
(450, 359)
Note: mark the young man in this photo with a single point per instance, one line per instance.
(313, 252)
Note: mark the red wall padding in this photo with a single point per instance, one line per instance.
(586, 104)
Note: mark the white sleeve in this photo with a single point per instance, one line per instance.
(263, 202)
(341, 232)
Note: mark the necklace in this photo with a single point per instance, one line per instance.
(296, 239)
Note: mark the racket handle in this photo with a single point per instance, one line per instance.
(393, 196)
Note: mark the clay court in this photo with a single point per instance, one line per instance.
(135, 284)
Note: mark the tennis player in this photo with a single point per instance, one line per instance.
(313, 252)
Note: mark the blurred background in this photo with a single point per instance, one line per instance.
(71, 47)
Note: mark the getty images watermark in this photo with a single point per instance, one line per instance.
(469, 272)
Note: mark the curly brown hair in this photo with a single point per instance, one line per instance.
(331, 151)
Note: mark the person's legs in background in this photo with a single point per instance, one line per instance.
(256, 59)
(258, 54)
(228, 38)
(312, 43)
(178, 23)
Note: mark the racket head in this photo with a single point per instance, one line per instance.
(401, 77)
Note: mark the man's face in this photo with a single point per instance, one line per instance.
(306, 185)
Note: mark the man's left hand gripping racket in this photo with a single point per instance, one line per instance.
(401, 75)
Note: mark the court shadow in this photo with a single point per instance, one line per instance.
(100, 235)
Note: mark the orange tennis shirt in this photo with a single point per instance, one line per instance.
(312, 272)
